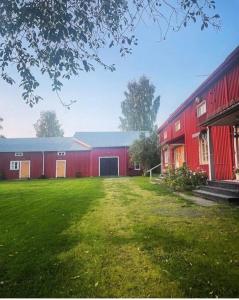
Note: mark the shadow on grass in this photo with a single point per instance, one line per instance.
(33, 234)
(191, 262)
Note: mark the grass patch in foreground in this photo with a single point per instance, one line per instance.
(120, 237)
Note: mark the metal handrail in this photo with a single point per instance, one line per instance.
(150, 170)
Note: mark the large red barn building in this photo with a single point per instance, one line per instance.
(203, 132)
(85, 154)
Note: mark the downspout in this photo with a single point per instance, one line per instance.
(43, 163)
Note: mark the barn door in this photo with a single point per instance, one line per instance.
(60, 168)
(24, 169)
(109, 166)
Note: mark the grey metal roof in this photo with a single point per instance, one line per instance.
(109, 139)
(40, 144)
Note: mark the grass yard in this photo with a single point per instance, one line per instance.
(113, 238)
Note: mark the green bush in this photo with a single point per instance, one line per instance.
(2, 176)
(184, 179)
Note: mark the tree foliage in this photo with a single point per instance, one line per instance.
(1, 120)
(48, 125)
(140, 108)
(145, 150)
(60, 38)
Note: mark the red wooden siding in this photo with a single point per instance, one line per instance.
(83, 163)
(219, 92)
(122, 153)
(75, 162)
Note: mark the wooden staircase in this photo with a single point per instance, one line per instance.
(221, 191)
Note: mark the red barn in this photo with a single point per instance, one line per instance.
(203, 132)
(85, 154)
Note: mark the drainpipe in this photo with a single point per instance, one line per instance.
(43, 163)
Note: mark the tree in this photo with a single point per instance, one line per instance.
(61, 38)
(1, 120)
(139, 108)
(145, 150)
(48, 125)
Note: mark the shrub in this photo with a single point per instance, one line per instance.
(78, 174)
(43, 177)
(2, 176)
(184, 179)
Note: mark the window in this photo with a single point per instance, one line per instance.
(203, 148)
(61, 153)
(18, 154)
(166, 156)
(201, 109)
(177, 125)
(14, 165)
(165, 134)
(137, 166)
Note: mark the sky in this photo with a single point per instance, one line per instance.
(175, 66)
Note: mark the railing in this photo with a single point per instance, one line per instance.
(150, 170)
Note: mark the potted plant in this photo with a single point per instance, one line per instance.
(237, 174)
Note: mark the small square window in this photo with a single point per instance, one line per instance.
(61, 153)
(18, 154)
(177, 125)
(14, 165)
(137, 166)
(201, 109)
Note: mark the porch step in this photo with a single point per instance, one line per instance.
(216, 196)
(224, 184)
(220, 190)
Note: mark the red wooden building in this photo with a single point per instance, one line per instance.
(203, 132)
(85, 154)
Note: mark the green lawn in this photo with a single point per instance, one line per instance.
(113, 238)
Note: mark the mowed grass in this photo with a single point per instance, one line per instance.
(111, 237)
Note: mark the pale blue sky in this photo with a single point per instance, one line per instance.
(172, 65)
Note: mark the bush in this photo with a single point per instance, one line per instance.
(78, 174)
(43, 177)
(2, 176)
(184, 179)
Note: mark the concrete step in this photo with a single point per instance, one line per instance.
(224, 184)
(216, 196)
(220, 190)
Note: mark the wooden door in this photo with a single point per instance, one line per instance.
(109, 166)
(179, 156)
(24, 169)
(60, 168)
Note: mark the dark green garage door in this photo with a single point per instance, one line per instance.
(109, 166)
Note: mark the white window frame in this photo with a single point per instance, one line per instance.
(14, 165)
(201, 108)
(18, 153)
(203, 149)
(61, 153)
(177, 125)
(100, 157)
(135, 166)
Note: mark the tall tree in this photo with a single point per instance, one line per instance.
(48, 125)
(1, 120)
(140, 108)
(60, 38)
(145, 151)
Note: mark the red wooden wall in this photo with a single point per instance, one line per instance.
(220, 95)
